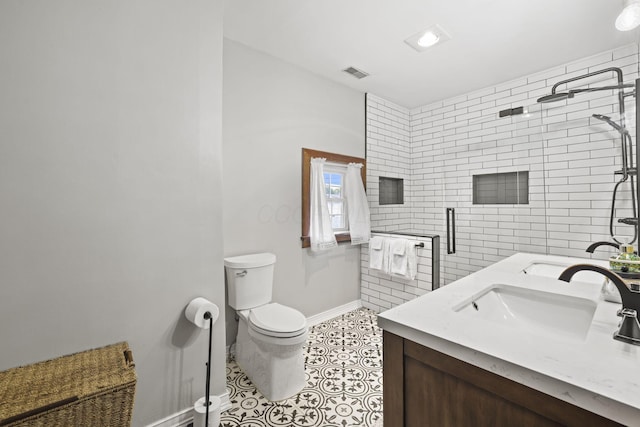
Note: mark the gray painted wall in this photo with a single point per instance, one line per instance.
(271, 111)
(110, 186)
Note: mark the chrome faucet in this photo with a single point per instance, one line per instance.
(629, 328)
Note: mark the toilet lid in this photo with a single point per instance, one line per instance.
(277, 320)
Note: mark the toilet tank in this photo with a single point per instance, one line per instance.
(249, 280)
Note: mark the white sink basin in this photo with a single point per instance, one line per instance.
(553, 270)
(528, 310)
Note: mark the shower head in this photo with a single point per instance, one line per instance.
(555, 97)
(611, 123)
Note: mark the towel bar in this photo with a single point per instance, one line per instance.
(435, 251)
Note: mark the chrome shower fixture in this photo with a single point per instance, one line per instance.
(611, 123)
(559, 96)
(628, 171)
(556, 97)
(627, 146)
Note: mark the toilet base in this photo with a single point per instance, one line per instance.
(276, 369)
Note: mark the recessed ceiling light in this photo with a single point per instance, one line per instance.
(629, 18)
(427, 38)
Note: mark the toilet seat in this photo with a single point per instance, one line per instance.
(276, 320)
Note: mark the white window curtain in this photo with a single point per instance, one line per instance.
(357, 205)
(320, 230)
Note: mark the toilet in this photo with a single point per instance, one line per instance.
(270, 335)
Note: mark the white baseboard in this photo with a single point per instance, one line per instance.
(334, 312)
(185, 417)
(225, 402)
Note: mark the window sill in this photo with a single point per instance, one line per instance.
(340, 238)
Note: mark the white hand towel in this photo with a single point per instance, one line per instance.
(357, 205)
(376, 253)
(377, 243)
(386, 262)
(412, 261)
(398, 257)
(403, 259)
(399, 246)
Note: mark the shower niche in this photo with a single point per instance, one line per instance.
(391, 191)
(506, 188)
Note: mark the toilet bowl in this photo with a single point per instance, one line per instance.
(271, 336)
(271, 356)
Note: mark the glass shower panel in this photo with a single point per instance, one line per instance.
(590, 170)
(493, 193)
(527, 222)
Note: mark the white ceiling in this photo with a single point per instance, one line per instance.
(493, 41)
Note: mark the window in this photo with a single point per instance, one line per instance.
(334, 190)
(334, 173)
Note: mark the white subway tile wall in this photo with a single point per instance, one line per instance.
(571, 158)
(388, 154)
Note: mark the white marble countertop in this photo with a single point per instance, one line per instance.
(597, 373)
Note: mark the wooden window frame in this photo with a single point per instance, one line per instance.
(307, 155)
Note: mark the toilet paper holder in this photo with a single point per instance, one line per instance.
(209, 317)
(193, 312)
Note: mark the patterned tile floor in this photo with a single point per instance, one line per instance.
(343, 360)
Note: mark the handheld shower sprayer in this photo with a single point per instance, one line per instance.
(627, 172)
(627, 144)
(611, 123)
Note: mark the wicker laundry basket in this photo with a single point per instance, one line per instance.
(92, 388)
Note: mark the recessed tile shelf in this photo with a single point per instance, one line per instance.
(508, 188)
(391, 191)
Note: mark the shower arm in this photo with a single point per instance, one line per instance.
(620, 86)
(616, 70)
(599, 88)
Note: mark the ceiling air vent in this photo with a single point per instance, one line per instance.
(358, 74)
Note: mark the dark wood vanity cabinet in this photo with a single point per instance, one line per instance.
(423, 387)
